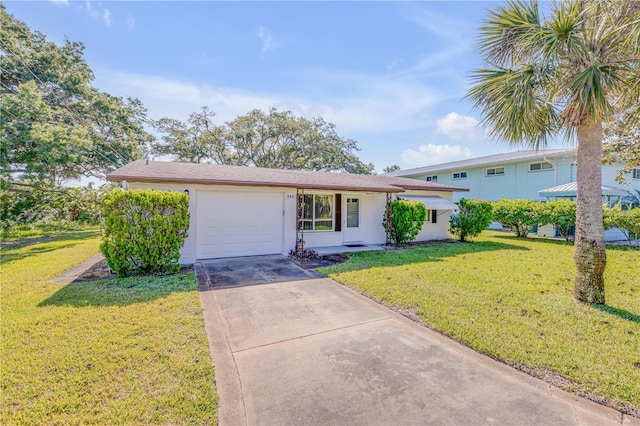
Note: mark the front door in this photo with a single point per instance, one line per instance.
(351, 232)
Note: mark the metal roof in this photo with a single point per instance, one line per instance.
(193, 173)
(489, 160)
(571, 189)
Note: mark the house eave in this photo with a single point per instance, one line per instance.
(148, 179)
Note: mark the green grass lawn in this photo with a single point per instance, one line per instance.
(110, 352)
(512, 299)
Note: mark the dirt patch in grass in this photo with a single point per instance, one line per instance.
(101, 271)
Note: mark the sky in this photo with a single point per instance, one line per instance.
(391, 75)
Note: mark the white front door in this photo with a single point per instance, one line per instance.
(351, 230)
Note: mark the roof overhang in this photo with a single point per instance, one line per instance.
(149, 179)
(432, 202)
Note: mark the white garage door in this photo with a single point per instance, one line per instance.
(239, 224)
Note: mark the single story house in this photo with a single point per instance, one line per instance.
(245, 211)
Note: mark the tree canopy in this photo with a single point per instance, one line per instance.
(275, 139)
(53, 124)
(622, 141)
(566, 73)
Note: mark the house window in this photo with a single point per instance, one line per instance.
(431, 178)
(636, 174)
(536, 167)
(318, 212)
(432, 216)
(459, 175)
(495, 171)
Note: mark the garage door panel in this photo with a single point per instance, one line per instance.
(239, 224)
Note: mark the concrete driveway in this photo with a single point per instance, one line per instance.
(295, 349)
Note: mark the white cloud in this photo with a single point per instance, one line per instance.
(131, 23)
(449, 30)
(460, 128)
(433, 154)
(95, 10)
(268, 42)
(364, 104)
(106, 16)
(64, 2)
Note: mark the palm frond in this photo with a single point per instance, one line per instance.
(508, 32)
(562, 35)
(548, 74)
(515, 104)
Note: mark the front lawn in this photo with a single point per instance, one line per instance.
(512, 299)
(110, 352)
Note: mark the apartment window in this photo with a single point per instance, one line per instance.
(459, 175)
(495, 171)
(636, 174)
(318, 212)
(427, 218)
(431, 178)
(536, 167)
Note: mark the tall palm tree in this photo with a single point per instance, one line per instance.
(562, 74)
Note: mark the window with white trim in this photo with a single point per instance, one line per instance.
(537, 167)
(495, 171)
(318, 212)
(636, 174)
(459, 175)
(427, 218)
(431, 178)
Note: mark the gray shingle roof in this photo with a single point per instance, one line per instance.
(160, 171)
(489, 160)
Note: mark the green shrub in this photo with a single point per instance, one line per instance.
(407, 219)
(39, 204)
(559, 213)
(626, 220)
(473, 217)
(519, 215)
(144, 230)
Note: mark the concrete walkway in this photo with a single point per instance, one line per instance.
(313, 352)
(72, 274)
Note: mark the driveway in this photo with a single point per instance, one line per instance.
(291, 347)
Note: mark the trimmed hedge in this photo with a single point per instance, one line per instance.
(407, 219)
(473, 217)
(560, 213)
(627, 220)
(144, 230)
(519, 215)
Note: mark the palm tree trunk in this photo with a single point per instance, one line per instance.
(589, 254)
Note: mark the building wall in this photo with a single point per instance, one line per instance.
(372, 207)
(519, 182)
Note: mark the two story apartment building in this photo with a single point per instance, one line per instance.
(519, 174)
(535, 175)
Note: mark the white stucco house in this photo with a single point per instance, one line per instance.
(244, 211)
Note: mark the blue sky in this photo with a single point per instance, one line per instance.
(391, 75)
